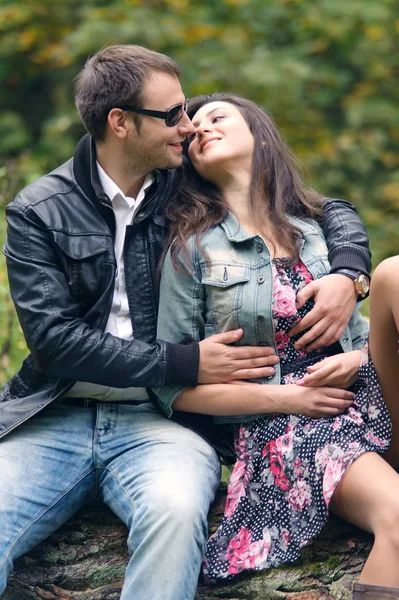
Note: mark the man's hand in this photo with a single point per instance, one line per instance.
(335, 299)
(315, 402)
(335, 371)
(221, 363)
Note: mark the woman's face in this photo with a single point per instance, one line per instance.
(222, 143)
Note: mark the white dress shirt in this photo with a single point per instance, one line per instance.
(119, 323)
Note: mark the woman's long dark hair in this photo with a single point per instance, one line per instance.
(277, 190)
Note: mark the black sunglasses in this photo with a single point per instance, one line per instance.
(172, 117)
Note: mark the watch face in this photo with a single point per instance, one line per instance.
(362, 285)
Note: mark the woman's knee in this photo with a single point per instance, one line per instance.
(386, 274)
(386, 527)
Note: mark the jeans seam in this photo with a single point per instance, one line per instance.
(122, 487)
(43, 512)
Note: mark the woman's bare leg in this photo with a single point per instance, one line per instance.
(384, 327)
(375, 508)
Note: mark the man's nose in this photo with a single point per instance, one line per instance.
(186, 125)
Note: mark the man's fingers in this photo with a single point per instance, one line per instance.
(331, 335)
(251, 352)
(304, 295)
(308, 321)
(311, 335)
(253, 373)
(227, 337)
(258, 361)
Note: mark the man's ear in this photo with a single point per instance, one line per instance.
(118, 123)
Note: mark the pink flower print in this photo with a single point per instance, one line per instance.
(355, 416)
(284, 300)
(291, 378)
(238, 551)
(375, 440)
(284, 443)
(258, 553)
(303, 271)
(354, 446)
(300, 495)
(332, 476)
(236, 488)
(298, 468)
(281, 339)
(373, 412)
(337, 424)
(277, 465)
(285, 535)
(285, 538)
(240, 442)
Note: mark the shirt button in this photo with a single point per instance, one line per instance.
(261, 279)
(259, 247)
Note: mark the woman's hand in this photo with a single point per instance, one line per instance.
(339, 371)
(313, 402)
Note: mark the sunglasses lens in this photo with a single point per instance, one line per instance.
(175, 114)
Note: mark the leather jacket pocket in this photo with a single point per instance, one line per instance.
(86, 263)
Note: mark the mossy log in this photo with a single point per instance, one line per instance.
(86, 559)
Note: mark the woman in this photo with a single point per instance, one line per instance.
(246, 241)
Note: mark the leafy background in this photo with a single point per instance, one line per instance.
(327, 70)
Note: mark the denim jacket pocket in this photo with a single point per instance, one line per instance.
(224, 286)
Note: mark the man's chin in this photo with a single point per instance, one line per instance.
(174, 162)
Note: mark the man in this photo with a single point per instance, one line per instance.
(82, 249)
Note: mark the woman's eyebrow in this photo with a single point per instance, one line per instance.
(208, 114)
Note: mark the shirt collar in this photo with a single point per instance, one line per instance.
(112, 190)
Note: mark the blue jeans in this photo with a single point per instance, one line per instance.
(157, 476)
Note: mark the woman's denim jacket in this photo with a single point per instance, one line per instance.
(232, 288)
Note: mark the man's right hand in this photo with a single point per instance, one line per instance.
(221, 363)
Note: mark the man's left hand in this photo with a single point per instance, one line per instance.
(335, 299)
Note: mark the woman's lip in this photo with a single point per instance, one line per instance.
(207, 141)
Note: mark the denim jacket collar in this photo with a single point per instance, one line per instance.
(236, 233)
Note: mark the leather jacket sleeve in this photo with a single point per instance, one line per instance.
(346, 237)
(62, 343)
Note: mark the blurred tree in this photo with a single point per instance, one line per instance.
(326, 71)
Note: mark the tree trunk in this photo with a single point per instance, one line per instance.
(86, 559)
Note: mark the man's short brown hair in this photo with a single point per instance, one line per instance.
(115, 77)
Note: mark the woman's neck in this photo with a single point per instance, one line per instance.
(236, 191)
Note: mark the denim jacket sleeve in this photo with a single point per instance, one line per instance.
(179, 316)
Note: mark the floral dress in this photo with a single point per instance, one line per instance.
(288, 466)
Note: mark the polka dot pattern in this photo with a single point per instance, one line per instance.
(288, 466)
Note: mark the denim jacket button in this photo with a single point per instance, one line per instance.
(259, 247)
(261, 279)
(261, 318)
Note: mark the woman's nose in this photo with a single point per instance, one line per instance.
(202, 129)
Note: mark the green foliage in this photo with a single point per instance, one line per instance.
(326, 71)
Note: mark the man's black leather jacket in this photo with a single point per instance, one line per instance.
(61, 267)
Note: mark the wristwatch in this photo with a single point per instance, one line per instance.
(362, 285)
(360, 281)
